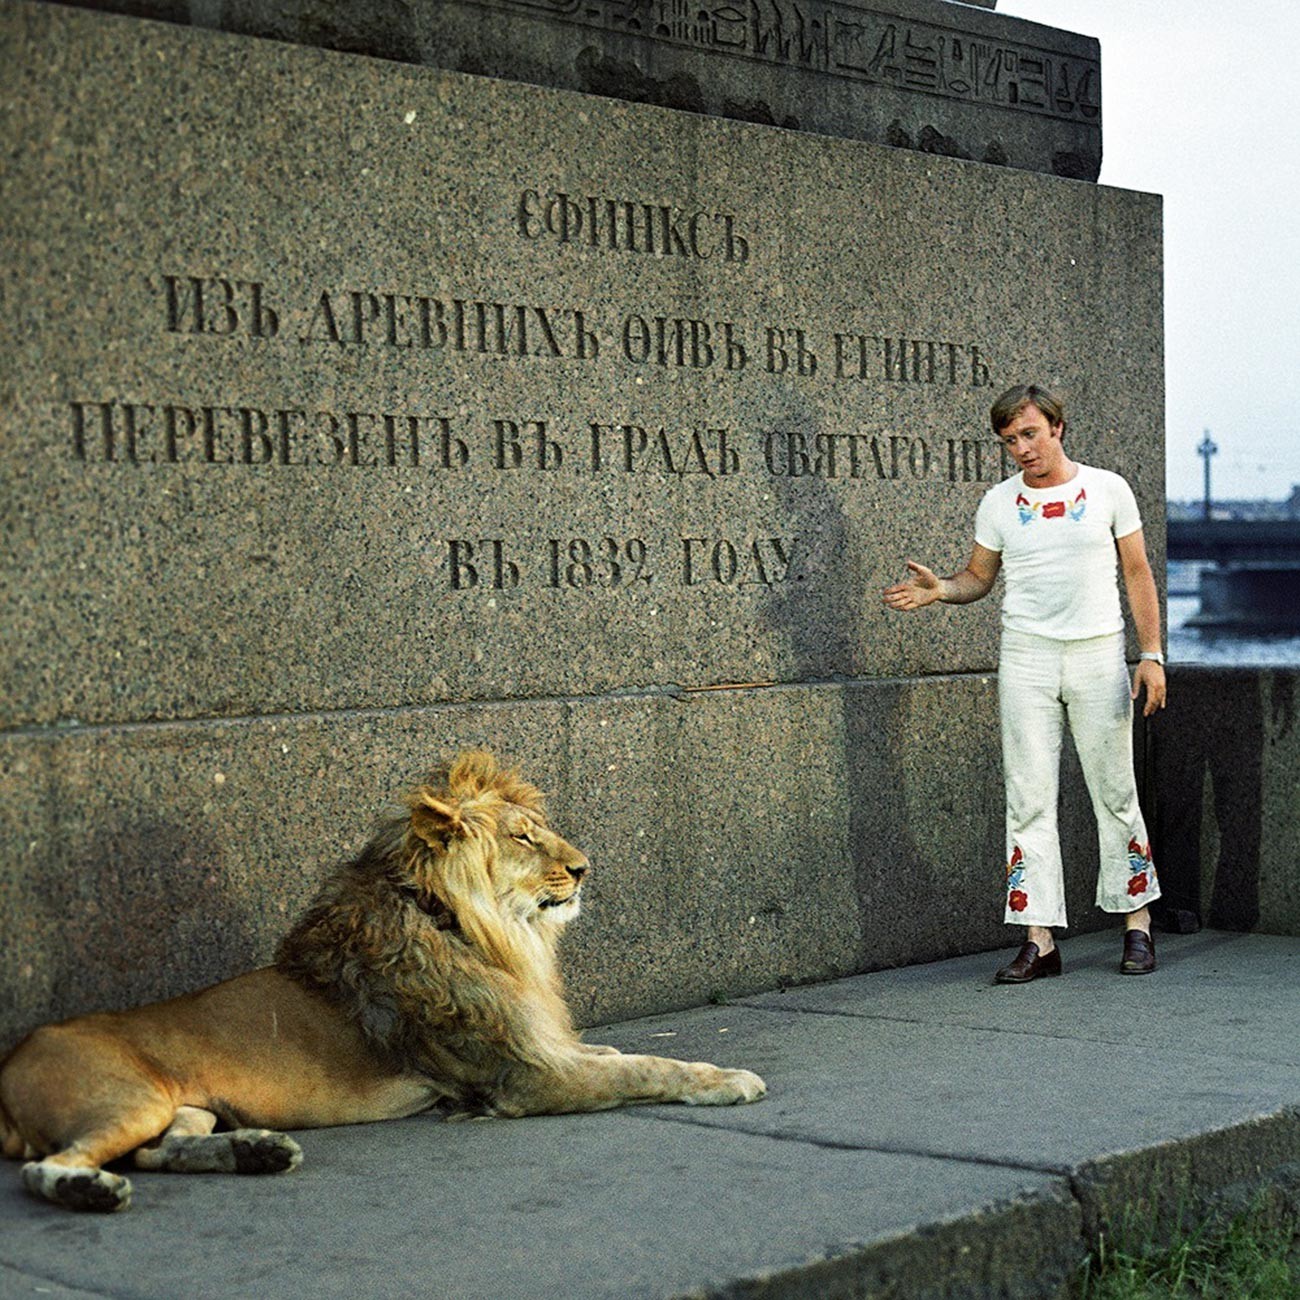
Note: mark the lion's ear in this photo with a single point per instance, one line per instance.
(436, 822)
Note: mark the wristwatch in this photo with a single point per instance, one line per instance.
(1154, 656)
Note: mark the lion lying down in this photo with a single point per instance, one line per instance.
(423, 975)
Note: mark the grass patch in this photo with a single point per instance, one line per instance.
(1254, 1256)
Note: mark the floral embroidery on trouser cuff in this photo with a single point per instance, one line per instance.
(1017, 899)
(1142, 871)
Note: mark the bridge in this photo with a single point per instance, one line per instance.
(1254, 584)
(1235, 541)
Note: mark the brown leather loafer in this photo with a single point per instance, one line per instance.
(1028, 965)
(1139, 953)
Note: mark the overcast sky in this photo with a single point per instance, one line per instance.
(1199, 104)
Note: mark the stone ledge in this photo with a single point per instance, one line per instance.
(1033, 1246)
(141, 862)
(1174, 1185)
(1024, 1249)
(925, 75)
(888, 1145)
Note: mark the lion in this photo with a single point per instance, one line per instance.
(423, 976)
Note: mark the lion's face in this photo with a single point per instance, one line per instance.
(486, 848)
(537, 874)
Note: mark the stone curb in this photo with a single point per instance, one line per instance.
(1143, 1197)
(1032, 1247)
(1022, 1249)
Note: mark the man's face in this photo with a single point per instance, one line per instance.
(1035, 445)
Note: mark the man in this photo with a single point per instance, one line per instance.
(1058, 527)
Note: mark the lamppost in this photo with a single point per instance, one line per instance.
(1207, 449)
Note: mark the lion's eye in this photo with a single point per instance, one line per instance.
(524, 838)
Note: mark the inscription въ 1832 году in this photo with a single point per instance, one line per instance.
(610, 563)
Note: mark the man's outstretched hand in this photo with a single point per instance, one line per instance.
(919, 589)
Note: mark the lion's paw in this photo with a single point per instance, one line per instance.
(241, 1151)
(95, 1190)
(262, 1151)
(730, 1088)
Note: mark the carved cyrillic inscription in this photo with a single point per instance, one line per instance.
(758, 561)
(842, 39)
(909, 361)
(673, 341)
(362, 318)
(630, 226)
(221, 307)
(611, 563)
(169, 433)
(265, 435)
(215, 305)
(634, 449)
(172, 433)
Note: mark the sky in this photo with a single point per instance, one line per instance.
(1198, 105)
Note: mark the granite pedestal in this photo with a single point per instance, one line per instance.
(356, 411)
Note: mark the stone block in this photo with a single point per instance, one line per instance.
(1225, 756)
(319, 396)
(740, 840)
(331, 442)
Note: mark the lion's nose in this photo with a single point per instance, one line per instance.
(577, 872)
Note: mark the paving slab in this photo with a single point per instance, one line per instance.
(926, 1135)
(575, 1206)
(1217, 991)
(1008, 1075)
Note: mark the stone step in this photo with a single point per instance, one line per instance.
(926, 1134)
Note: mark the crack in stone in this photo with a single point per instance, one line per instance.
(63, 727)
(884, 1148)
(989, 1029)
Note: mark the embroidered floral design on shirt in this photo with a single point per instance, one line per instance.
(1031, 510)
(1142, 871)
(1017, 899)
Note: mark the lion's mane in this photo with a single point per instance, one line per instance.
(412, 941)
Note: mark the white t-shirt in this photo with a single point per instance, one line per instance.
(1058, 551)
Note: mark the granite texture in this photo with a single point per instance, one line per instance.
(929, 75)
(1140, 1198)
(623, 1205)
(741, 840)
(246, 277)
(1225, 760)
(330, 444)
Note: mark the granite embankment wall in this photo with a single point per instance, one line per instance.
(1222, 783)
(177, 826)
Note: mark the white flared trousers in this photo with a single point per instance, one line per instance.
(1042, 685)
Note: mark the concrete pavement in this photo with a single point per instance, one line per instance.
(926, 1134)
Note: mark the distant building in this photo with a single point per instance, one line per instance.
(1238, 509)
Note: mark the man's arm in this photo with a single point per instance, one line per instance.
(922, 587)
(1144, 602)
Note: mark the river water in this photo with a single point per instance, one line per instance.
(1194, 645)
